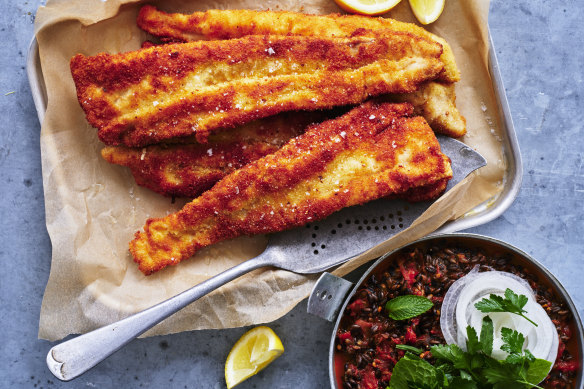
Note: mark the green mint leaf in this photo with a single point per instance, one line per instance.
(411, 349)
(486, 339)
(407, 307)
(507, 385)
(411, 356)
(512, 341)
(472, 344)
(409, 374)
(537, 371)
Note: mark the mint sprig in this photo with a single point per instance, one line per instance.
(511, 303)
(407, 307)
(411, 349)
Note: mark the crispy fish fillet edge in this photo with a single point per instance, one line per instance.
(187, 170)
(226, 24)
(435, 101)
(163, 92)
(371, 152)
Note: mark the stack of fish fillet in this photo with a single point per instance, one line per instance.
(266, 123)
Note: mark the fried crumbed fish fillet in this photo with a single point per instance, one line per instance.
(164, 92)
(373, 151)
(226, 24)
(435, 101)
(187, 170)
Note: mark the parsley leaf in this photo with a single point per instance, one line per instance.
(472, 344)
(499, 372)
(448, 353)
(487, 336)
(461, 383)
(474, 368)
(511, 303)
(512, 341)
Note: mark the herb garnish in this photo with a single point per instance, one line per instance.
(511, 303)
(407, 307)
(409, 348)
(474, 368)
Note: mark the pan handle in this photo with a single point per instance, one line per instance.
(327, 296)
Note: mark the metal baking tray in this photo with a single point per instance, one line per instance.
(481, 214)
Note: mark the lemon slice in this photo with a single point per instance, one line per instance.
(367, 7)
(427, 11)
(252, 352)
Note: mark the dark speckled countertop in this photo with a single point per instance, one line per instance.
(538, 44)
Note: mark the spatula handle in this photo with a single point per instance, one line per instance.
(74, 357)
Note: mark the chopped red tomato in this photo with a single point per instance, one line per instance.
(409, 273)
(344, 336)
(368, 380)
(566, 366)
(384, 367)
(411, 335)
(566, 331)
(384, 352)
(561, 349)
(365, 327)
(356, 307)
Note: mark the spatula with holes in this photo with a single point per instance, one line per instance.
(310, 249)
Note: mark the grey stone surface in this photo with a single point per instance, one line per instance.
(538, 44)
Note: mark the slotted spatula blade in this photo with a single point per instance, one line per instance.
(310, 249)
(352, 231)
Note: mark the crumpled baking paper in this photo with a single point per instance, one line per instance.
(93, 208)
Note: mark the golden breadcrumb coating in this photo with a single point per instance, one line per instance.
(227, 24)
(189, 169)
(373, 151)
(435, 101)
(164, 92)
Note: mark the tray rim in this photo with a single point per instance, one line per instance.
(480, 214)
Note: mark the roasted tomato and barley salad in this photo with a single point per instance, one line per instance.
(368, 341)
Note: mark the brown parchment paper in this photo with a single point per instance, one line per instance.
(93, 208)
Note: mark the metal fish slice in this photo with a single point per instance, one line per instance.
(310, 249)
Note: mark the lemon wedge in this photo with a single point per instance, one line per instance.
(252, 352)
(367, 7)
(427, 11)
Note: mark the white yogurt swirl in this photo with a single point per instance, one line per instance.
(458, 311)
